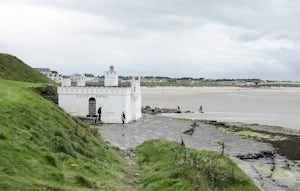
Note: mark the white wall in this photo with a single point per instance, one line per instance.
(113, 100)
(136, 98)
(111, 77)
(66, 82)
(81, 82)
(111, 80)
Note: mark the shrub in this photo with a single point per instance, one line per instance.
(51, 160)
(85, 182)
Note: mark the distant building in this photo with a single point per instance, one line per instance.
(90, 78)
(76, 77)
(113, 100)
(44, 71)
(84, 77)
(53, 75)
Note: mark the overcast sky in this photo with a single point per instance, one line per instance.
(176, 38)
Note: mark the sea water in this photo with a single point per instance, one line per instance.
(265, 106)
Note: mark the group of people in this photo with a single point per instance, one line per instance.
(123, 116)
(200, 109)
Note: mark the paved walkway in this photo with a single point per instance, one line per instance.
(157, 127)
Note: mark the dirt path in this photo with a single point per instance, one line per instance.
(132, 179)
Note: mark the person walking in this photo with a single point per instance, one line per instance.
(200, 109)
(123, 117)
(99, 113)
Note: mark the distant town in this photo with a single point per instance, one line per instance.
(151, 81)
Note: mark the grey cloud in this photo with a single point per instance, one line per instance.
(156, 37)
(249, 36)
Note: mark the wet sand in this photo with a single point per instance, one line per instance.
(265, 106)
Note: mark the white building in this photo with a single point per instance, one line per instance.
(91, 78)
(53, 75)
(113, 100)
(76, 77)
(44, 71)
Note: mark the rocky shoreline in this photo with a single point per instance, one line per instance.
(269, 170)
(285, 141)
(257, 128)
(156, 110)
(287, 145)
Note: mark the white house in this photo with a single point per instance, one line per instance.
(76, 77)
(53, 75)
(85, 101)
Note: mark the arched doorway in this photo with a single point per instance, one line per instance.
(92, 107)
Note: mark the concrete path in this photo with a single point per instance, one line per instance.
(157, 127)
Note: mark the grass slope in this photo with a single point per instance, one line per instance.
(43, 148)
(12, 68)
(168, 166)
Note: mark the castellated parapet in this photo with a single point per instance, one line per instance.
(93, 90)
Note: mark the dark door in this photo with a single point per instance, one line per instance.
(92, 107)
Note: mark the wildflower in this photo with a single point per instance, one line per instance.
(74, 165)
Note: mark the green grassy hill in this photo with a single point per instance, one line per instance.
(43, 148)
(169, 166)
(11, 68)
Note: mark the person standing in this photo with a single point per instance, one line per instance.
(123, 117)
(200, 109)
(99, 113)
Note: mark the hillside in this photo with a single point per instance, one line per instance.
(169, 166)
(12, 68)
(43, 148)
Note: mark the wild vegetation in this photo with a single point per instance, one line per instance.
(170, 166)
(12, 68)
(43, 148)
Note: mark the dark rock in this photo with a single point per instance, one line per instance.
(219, 123)
(189, 131)
(194, 124)
(157, 110)
(49, 93)
(211, 122)
(262, 154)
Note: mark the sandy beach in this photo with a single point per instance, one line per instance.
(265, 106)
